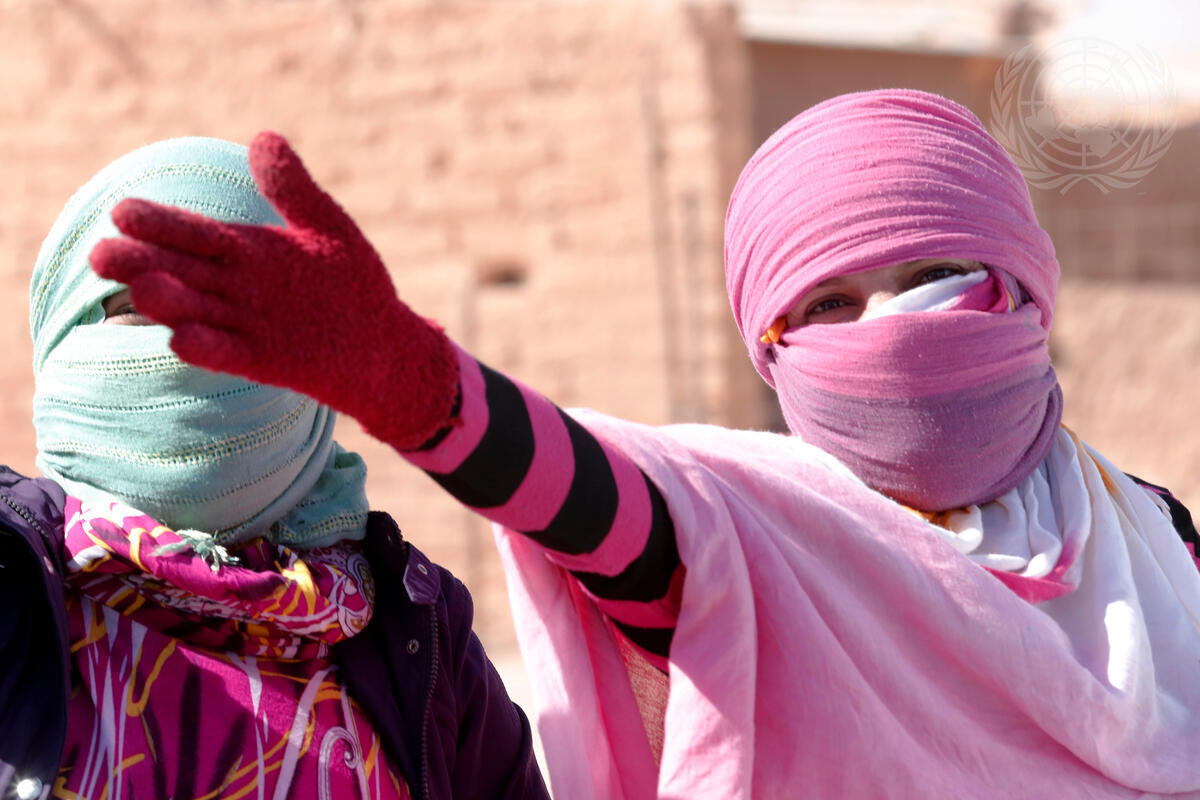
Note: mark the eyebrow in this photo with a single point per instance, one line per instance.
(916, 262)
(831, 280)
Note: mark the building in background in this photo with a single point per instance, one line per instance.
(549, 179)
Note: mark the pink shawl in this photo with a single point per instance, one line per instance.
(833, 644)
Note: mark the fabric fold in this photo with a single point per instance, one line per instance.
(833, 640)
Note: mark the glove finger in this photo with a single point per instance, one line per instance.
(123, 260)
(166, 299)
(173, 228)
(282, 178)
(214, 349)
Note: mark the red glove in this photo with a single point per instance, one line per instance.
(309, 307)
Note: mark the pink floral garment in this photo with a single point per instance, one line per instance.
(195, 684)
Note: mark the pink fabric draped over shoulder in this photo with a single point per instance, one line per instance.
(936, 410)
(832, 644)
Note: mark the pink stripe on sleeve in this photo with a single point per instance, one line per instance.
(541, 494)
(473, 421)
(655, 614)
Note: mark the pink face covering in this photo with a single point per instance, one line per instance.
(936, 409)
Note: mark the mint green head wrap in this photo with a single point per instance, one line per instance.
(120, 417)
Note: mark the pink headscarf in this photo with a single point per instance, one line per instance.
(937, 409)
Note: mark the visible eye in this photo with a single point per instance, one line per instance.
(119, 310)
(823, 310)
(937, 272)
(827, 307)
(824, 306)
(118, 304)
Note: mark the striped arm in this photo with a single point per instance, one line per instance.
(520, 461)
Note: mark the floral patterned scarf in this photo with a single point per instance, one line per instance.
(199, 684)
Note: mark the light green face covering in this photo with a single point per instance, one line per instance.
(120, 417)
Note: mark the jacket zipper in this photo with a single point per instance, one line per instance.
(25, 515)
(429, 703)
(51, 551)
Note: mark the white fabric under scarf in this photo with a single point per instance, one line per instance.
(935, 296)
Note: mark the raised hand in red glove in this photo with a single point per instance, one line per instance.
(309, 307)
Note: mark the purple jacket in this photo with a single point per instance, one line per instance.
(418, 670)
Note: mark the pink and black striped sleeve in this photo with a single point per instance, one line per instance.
(520, 461)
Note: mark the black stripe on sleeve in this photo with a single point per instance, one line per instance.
(652, 640)
(587, 514)
(647, 577)
(498, 465)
